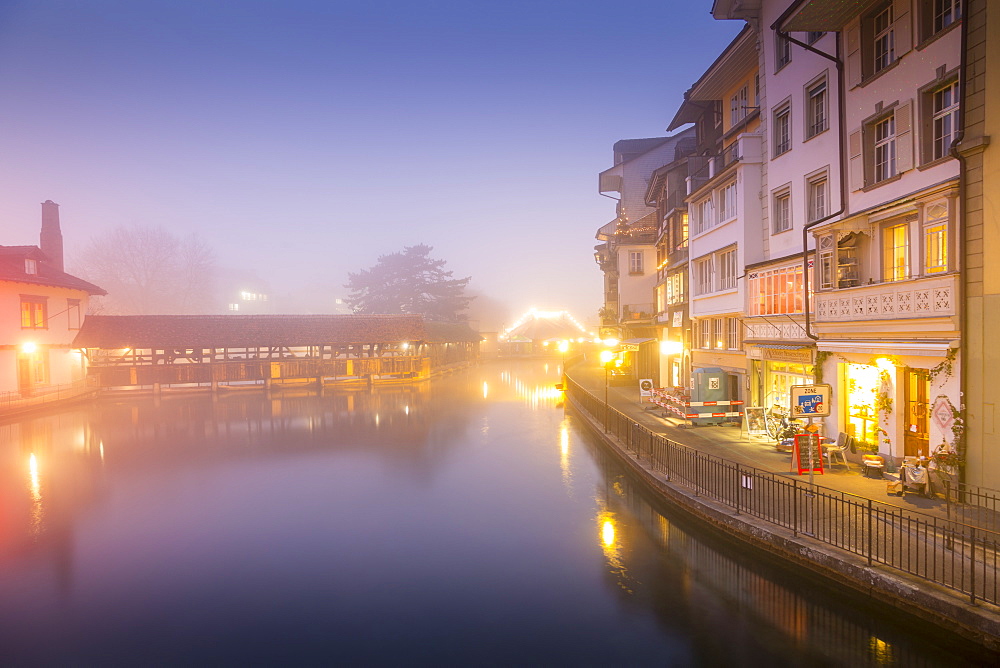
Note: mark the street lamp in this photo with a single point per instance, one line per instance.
(606, 357)
(563, 347)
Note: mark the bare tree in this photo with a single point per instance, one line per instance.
(150, 270)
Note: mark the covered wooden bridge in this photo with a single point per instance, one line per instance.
(161, 350)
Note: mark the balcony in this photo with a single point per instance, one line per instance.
(635, 312)
(928, 297)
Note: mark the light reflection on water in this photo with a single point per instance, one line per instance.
(459, 521)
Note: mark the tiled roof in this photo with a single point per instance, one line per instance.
(12, 269)
(241, 331)
(450, 332)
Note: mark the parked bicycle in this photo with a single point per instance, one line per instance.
(780, 425)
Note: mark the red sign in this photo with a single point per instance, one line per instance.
(806, 444)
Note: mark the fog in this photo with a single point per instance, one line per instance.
(302, 140)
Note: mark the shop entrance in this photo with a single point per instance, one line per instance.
(918, 389)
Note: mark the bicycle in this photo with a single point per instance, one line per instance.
(779, 425)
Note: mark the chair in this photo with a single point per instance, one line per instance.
(839, 449)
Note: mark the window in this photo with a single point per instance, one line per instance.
(34, 312)
(936, 239)
(30, 266)
(814, 36)
(705, 333)
(73, 313)
(706, 215)
(738, 107)
(675, 288)
(936, 15)
(234, 307)
(882, 148)
(897, 256)
(704, 276)
(782, 129)
(635, 262)
(827, 263)
(944, 108)
(878, 40)
(782, 211)
(885, 149)
(816, 109)
(733, 333)
(727, 269)
(816, 192)
(946, 12)
(782, 51)
(775, 291)
(727, 202)
(719, 333)
(883, 51)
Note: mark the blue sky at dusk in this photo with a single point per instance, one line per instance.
(305, 139)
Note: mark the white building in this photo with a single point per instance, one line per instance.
(723, 205)
(627, 255)
(887, 278)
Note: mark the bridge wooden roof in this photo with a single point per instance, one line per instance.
(251, 331)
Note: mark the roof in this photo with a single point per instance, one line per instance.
(736, 60)
(822, 15)
(249, 331)
(12, 269)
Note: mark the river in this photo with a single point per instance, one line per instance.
(465, 520)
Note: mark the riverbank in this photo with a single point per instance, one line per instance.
(849, 537)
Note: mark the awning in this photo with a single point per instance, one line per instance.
(929, 349)
(633, 344)
(782, 346)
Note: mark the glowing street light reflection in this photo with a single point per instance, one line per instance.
(567, 473)
(35, 487)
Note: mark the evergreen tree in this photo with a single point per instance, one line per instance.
(409, 282)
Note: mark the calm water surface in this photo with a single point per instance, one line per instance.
(468, 520)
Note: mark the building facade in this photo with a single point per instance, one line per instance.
(886, 302)
(42, 310)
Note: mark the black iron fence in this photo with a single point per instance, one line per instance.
(947, 552)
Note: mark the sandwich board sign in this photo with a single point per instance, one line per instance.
(809, 401)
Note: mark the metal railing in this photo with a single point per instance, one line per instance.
(41, 396)
(946, 552)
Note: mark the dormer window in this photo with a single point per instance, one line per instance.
(30, 266)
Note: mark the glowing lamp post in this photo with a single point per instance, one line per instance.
(563, 347)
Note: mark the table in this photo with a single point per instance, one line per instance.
(913, 474)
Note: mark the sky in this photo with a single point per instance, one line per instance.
(302, 140)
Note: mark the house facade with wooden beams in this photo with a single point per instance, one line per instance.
(213, 351)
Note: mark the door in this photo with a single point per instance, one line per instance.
(24, 383)
(918, 388)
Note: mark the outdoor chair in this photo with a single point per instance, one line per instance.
(839, 449)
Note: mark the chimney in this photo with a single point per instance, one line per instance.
(51, 237)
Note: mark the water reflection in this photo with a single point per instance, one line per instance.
(767, 613)
(564, 460)
(469, 520)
